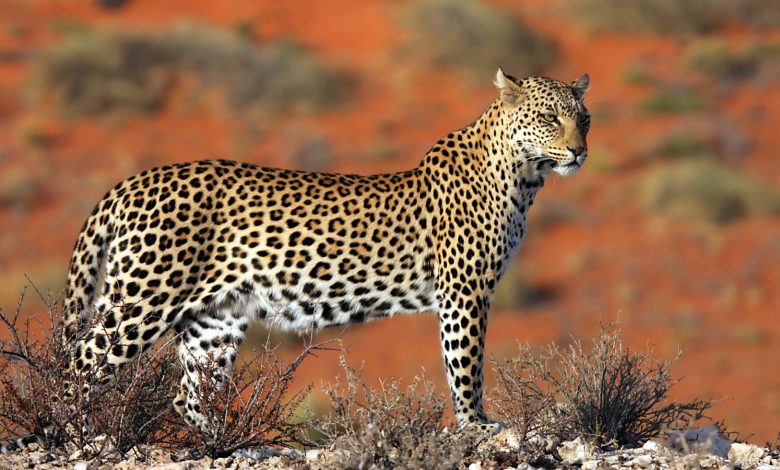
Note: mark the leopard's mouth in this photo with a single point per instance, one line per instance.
(567, 169)
(572, 166)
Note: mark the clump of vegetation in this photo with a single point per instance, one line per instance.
(678, 17)
(251, 408)
(114, 418)
(514, 291)
(703, 190)
(683, 145)
(608, 395)
(477, 38)
(20, 189)
(96, 72)
(391, 427)
(714, 59)
(673, 99)
(636, 74)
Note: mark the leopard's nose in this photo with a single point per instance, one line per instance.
(577, 151)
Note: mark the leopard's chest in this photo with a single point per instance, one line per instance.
(514, 225)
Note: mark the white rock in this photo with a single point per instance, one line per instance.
(590, 465)
(80, 466)
(507, 440)
(651, 446)
(768, 467)
(576, 451)
(704, 439)
(642, 461)
(475, 466)
(745, 455)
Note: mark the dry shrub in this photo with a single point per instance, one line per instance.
(478, 37)
(253, 407)
(608, 395)
(97, 72)
(677, 17)
(703, 190)
(125, 413)
(390, 427)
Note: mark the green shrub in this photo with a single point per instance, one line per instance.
(703, 190)
(714, 59)
(514, 292)
(676, 16)
(104, 71)
(684, 145)
(673, 100)
(636, 74)
(20, 189)
(476, 37)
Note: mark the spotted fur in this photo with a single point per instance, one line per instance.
(205, 248)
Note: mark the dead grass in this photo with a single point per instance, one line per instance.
(98, 72)
(677, 17)
(703, 190)
(391, 427)
(476, 37)
(115, 418)
(608, 395)
(253, 407)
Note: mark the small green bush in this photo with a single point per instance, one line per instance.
(684, 145)
(676, 16)
(476, 37)
(673, 100)
(103, 71)
(714, 59)
(703, 190)
(636, 74)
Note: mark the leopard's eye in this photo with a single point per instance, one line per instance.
(550, 117)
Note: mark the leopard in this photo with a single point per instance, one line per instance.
(206, 248)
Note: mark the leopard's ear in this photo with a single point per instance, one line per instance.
(580, 86)
(512, 93)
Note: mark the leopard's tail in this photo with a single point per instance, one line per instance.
(87, 264)
(10, 445)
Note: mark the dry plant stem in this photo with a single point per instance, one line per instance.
(390, 427)
(246, 412)
(608, 395)
(131, 406)
(120, 415)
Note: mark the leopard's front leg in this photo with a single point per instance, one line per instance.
(463, 322)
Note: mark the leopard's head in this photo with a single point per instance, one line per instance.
(547, 119)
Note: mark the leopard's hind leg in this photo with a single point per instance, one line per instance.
(118, 334)
(207, 343)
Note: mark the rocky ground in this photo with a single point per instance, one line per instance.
(701, 448)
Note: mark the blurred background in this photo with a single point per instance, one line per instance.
(672, 228)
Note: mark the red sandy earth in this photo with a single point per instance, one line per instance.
(710, 291)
